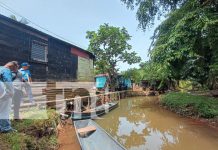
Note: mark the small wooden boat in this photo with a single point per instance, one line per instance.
(97, 140)
(94, 113)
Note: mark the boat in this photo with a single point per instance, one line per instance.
(97, 138)
(94, 113)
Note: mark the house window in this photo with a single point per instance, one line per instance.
(39, 51)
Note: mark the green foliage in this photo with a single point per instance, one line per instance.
(185, 85)
(192, 105)
(110, 46)
(154, 71)
(155, 74)
(32, 134)
(148, 10)
(185, 41)
(185, 45)
(136, 75)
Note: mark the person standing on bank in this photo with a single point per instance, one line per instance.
(26, 77)
(18, 93)
(6, 99)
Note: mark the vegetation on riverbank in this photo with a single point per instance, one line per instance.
(191, 105)
(32, 134)
(184, 46)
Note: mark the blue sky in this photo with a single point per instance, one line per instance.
(72, 18)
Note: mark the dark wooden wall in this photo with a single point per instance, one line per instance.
(16, 42)
(62, 65)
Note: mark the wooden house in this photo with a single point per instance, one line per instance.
(51, 59)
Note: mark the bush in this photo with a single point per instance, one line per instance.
(192, 105)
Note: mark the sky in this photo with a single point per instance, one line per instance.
(71, 19)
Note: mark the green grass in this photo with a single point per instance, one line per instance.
(191, 105)
(33, 134)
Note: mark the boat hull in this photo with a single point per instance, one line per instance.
(99, 139)
(98, 111)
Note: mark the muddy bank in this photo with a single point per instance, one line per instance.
(203, 109)
(45, 134)
(142, 93)
(67, 139)
(213, 123)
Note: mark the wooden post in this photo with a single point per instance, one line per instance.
(51, 93)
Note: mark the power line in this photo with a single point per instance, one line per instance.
(17, 14)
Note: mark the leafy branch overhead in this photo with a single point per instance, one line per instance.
(148, 10)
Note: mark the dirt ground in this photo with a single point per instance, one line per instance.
(67, 138)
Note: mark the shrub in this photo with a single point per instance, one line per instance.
(185, 103)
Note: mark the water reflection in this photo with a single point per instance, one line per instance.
(139, 124)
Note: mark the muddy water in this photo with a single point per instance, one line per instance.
(140, 124)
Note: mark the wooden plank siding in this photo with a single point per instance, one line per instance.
(62, 63)
(16, 45)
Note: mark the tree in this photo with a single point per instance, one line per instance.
(110, 46)
(136, 75)
(155, 71)
(186, 42)
(148, 10)
(155, 74)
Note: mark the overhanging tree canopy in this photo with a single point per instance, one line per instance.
(148, 10)
(186, 42)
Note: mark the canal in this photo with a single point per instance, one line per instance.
(140, 124)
